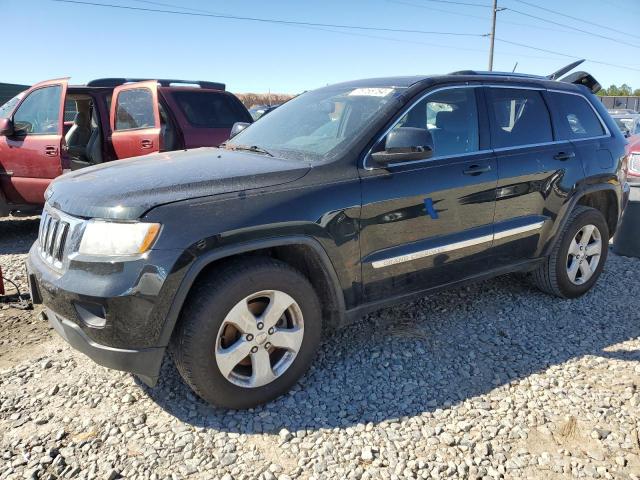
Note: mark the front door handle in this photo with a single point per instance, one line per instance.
(146, 143)
(51, 150)
(477, 170)
(564, 155)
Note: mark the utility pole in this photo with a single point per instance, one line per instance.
(493, 33)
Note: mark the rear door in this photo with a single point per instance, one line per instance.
(31, 157)
(536, 171)
(135, 119)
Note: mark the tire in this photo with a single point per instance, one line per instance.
(198, 344)
(553, 276)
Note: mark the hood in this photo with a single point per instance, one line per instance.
(126, 189)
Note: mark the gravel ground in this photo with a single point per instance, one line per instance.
(495, 380)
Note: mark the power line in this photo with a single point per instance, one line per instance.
(617, 30)
(453, 2)
(567, 55)
(470, 15)
(271, 20)
(509, 9)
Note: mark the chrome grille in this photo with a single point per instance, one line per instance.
(52, 238)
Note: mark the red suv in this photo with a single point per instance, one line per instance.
(54, 127)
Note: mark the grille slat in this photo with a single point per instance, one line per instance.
(52, 238)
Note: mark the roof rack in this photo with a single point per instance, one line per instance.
(165, 82)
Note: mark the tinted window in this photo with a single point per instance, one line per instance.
(519, 117)
(209, 109)
(576, 118)
(39, 112)
(135, 109)
(451, 117)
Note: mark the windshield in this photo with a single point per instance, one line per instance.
(7, 108)
(317, 125)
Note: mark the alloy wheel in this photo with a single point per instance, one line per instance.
(259, 338)
(584, 254)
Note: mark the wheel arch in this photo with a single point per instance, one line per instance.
(303, 253)
(602, 197)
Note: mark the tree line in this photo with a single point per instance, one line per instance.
(623, 90)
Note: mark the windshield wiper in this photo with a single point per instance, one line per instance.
(249, 148)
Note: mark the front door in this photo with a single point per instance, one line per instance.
(135, 119)
(31, 157)
(427, 223)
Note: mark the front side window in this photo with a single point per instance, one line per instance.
(209, 109)
(7, 108)
(39, 113)
(320, 124)
(451, 118)
(134, 109)
(518, 117)
(576, 118)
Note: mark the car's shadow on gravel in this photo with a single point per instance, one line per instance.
(17, 235)
(441, 350)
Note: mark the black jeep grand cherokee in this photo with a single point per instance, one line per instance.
(341, 201)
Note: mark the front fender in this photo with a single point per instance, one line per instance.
(200, 262)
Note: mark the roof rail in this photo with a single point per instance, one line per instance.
(165, 82)
(495, 74)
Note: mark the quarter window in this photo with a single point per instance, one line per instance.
(135, 109)
(576, 118)
(519, 117)
(451, 117)
(209, 109)
(39, 113)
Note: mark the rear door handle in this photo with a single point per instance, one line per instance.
(146, 143)
(51, 150)
(564, 155)
(477, 170)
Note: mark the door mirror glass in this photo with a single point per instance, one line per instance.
(39, 113)
(237, 128)
(405, 144)
(6, 127)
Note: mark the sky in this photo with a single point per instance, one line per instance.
(51, 39)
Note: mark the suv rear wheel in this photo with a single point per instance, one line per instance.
(578, 257)
(248, 332)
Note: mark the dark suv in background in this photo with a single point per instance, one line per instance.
(54, 127)
(342, 200)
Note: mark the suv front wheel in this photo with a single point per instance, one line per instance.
(248, 332)
(578, 257)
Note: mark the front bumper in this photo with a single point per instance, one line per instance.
(145, 363)
(112, 312)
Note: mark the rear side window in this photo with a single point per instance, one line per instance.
(134, 109)
(518, 117)
(576, 118)
(209, 109)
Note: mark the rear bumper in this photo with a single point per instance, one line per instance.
(145, 363)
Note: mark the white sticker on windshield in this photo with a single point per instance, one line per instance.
(371, 92)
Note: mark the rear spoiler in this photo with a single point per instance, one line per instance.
(165, 82)
(579, 78)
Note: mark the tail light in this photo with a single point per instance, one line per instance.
(634, 164)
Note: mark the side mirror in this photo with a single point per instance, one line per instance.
(6, 127)
(237, 128)
(405, 144)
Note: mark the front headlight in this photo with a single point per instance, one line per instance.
(117, 239)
